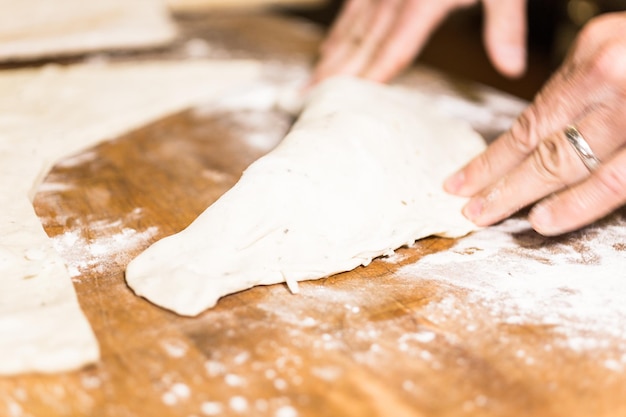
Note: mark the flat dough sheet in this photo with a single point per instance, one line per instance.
(186, 6)
(31, 29)
(49, 113)
(358, 176)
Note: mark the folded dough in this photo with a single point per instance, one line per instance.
(359, 175)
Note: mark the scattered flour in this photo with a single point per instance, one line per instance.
(327, 373)
(85, 254)
(175, 348)
(260, 129)
(214, 368)
(574, 285)
(241, 358)
(280, 384)
(286, 411)
(212, 408)
(238, 404)
(176, 392)
(91, 382)
(14, 409)
(169, 398)
(234, 380)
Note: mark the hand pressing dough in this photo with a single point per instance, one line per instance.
(32, 29)
(358, 176)
(47, 114)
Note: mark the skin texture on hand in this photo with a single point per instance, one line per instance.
(377, 39)
(533, 161)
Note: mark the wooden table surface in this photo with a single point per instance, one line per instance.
(360, 343)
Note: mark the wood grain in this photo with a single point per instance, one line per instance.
(362, 343)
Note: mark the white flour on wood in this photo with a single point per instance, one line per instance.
(574, 285)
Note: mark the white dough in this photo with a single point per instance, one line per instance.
(187, 6)
(359, 175)
(42, 28)
(49, 113)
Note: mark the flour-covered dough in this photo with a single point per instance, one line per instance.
(49, 113)
(186, 6)
(46, 28)
(358, 176)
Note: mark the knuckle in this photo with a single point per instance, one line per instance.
(522, 131)
(602, 22)
(550, 161)
(586, 36)
(483, 164)
(609, 62)
(593, 30)
(603, 37)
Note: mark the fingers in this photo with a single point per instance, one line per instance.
(376, 39)
(591, 78)
(562, 101)
(415, 22)
(601, 51)
(345, 38)
(596, 35)
(359, 52)
(602, 193)
(505, 35)
(552, 166)
(356, 49)
(347, 16)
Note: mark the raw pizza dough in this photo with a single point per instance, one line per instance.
(186, 6)
(47, 114)
(359, 175)
(41, 28)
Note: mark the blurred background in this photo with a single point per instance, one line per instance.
(457, 46)
(67, 28)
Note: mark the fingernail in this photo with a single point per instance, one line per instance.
(454, 183)
(512, 59)
(474, 209)
(542, 219)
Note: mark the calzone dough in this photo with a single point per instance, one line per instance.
(359, 175)
(49, 113)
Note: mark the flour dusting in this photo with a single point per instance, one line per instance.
(175, 348)
(84, 254)
(574, 285)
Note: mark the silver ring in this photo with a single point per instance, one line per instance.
(582, 148)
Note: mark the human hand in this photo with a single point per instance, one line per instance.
(534, 161)
(376, 39)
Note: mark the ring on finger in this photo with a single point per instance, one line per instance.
(582, 148)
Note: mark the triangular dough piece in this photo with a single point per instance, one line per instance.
(359, 175)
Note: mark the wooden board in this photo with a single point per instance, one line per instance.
(362, 343)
